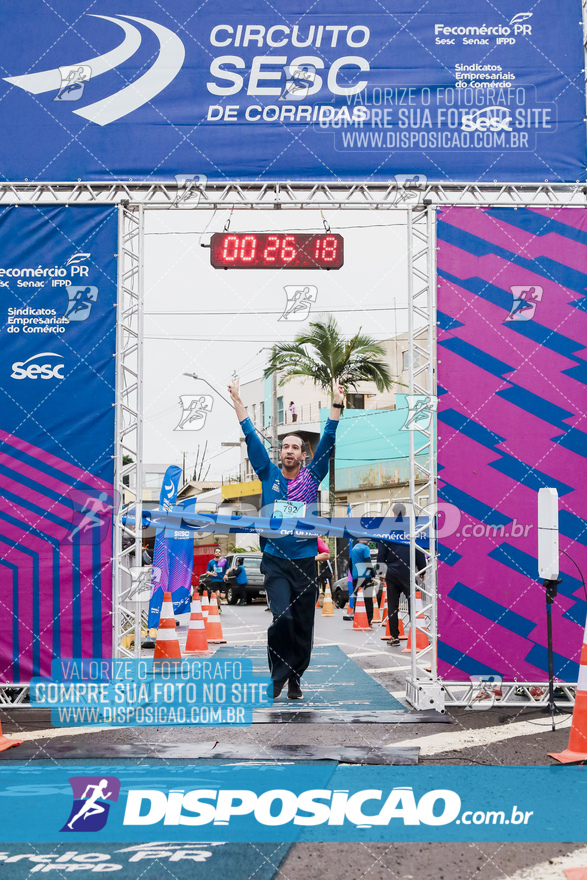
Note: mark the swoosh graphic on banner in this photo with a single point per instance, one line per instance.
(50, 80)
(164, 70)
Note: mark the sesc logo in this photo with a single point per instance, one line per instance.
(487, 119)
(46, 369)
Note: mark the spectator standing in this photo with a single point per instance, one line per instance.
(363, 573)
(238, 570)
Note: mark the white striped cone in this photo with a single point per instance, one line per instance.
(167, 644)
(196, 642)
(205, 605)
(577, 750)
(213, 625)
(360, 621)
(376, 615)
(384, 610)
(327, 606)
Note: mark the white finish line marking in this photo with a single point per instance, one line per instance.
(52, 732)
(553, 868)
(464, 739)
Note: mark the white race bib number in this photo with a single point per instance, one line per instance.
(289, 509)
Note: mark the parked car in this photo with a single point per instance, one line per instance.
(255, 580)
(340, 588)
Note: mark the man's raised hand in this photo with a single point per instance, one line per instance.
(234, 389)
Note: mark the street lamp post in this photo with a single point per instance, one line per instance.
(215, 390)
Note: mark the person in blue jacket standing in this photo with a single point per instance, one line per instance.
(289, 563)
(363, 572)
(241, 580)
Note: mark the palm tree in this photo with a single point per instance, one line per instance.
(322, 354)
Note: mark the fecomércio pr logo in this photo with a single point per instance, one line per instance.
(91, 802)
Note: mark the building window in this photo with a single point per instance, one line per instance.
(355, 401)
(406, 360)
(280, 410)
(262, 414)
(254, 413)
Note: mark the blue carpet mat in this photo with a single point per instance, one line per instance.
(174, 861)
(332, 682)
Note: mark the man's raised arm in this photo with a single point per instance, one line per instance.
(234, 391)
(319, 464)
(258, 456)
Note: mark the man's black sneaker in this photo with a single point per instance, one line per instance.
(278, 686)
(294, 691)
(393, 643)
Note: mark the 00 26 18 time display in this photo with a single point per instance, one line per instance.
(270, 250)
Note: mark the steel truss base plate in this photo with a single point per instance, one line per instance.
(481, 695)
(425, 695)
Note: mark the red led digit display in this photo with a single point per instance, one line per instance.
(273, 250)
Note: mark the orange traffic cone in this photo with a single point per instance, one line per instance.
(196, 642)
(376, 615)
(384, 611)
(387, 632)
(205, 605)
(327, 606)
(167, 644)
(577, 750)
(213, 625)
(6, 742)
(402, 633)
(421, 637)
(360, 622)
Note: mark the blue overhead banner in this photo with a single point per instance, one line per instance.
(448, 90)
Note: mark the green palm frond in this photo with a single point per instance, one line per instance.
(322, 354)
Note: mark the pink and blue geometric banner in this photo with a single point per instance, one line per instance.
(512, 419)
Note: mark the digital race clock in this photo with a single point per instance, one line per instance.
(270, 250)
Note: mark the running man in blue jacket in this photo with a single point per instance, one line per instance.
(288, 563)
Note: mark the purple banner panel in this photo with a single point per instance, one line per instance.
(57, 393)
(512, 419)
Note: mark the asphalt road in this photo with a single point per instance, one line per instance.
(496, 737)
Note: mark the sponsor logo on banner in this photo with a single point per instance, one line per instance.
(487, 119)
(80, 302)
(144, 581)
(194, 411)
(80, 257)
(521, 17)
(70, 81)
(73, 82)
(366, 808)
(298, 302)
(419, 415)
(190, 187)
(92, 517)
(39, 365)
(411, 186)
(91, 796)
(298, 82)
(525, 300)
